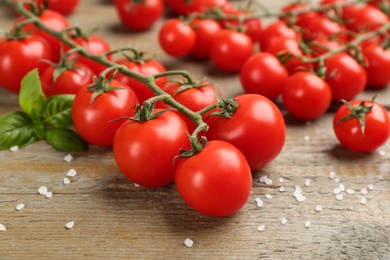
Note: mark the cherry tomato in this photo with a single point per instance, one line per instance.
(345, 76)
(365, 18)
(54, 21)
(284, 46)
(70, 81)
(183, 7)
(378, 66)
(63, 7)
(96, 45)
(18, 57)
(224, 50)
(275, 31)
(350, 133)
(92, 118)
(216, 181)
(323, 26)
(259, 138)
(145, 68)
(306, 96)
(301, 20)
(144, 151)
(139, 16)
(205, 30)
(195, 98)
(263, 74)
(176, 38)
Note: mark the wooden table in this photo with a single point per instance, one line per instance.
(114, 219)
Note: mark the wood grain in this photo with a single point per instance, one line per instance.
(114, 219)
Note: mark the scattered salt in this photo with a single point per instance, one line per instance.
(339, 197)
(301, 198)
(136, 185)
(307, 224)
(259, 202)
(350, 191)
(268, 181)
(342, 187)
(332, 175)
(306, 138)
(69, 225)
(318, 208)
(49, 194)
(370, 186)
(284, 221)
(281, 189)
(2, 227)
(337, 180)
(263, 178)
(188, 242)
(336, 191)
(363, 201)
(71, 173)
(14, 148)
(19, 206)
(268, 196)
(42, 190)
(66, 181)
(382, 152)
(281, 179)
(261, 227)
(68, 158)
(307, 182)
(364, 191)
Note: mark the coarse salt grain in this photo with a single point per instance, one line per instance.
(49, 194)
(301, 198)
(307, 224)
(281, 189)
(364, 191)
(2, 227)
(268, 196)
(263, 178)
(68, 158)
(339, 197)
(14, 148)
(66, 181)
(370, 186)
(363, 201)
(318, 208)
(337, 180)
(19, 206)
(71, 173)
(188, 242)
(332, 175)
(307, 182)
(336, 191)
(261, 227)
(281, 179)
(42, 190)
(284, 221)
(350, 191)
(268, 182)
(382, 152)
(69, 225)
(306, 138)
(136, 185)
(259, 202)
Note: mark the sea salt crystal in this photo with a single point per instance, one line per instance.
(259, 202)
(268, 182)
(370, 187)
(66, 181)
(268, 196)
(68, 158)
(261, 227)
(306, 138)
(307, 182)
(281, 179)
(49, 194)
(307, 224)
(284, 221)
(301, 198)
(342, 187)
(136, 185)
(263, 178)
(281, 189)
(2, 227)
(382, 152)
(332, 175)
(364, 191)
(336, 191)
(350, 191)
(188, 242)
(339, 197)
(71, 173)
(69, 225)
(14, 148)
(42, 190)
(363, 201)
(318, 208)
(337, 180)
(19, 206)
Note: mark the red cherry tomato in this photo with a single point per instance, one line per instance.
(365, 18)
(70, 81)
(18, 57)
(306, 96)
(323, 26)
(224, 50)
(145, 68)
(263, 74)
(176, 38)
(144, 151)
(63, 7)
(345, 76)
(183, 7)
(259, 138)
(301, 20)
(205, 30)
(139, 16)
(378, 66)
(92, 120)
(216, 181)
(350, 134)
(275, 31)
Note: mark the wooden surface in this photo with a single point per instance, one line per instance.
(113, 219)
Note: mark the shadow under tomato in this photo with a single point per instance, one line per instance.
(341, 153)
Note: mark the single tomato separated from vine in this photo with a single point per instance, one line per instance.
(255, 126)
(144, 150)
(362, 125)
(217, 181)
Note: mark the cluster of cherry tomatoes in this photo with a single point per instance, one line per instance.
(151, 142)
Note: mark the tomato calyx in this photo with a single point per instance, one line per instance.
(358, 112)
(18, 33)
(227, 107)
(187, 84)
(101, 85)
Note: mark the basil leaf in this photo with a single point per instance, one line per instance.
(64, 139)
(16, 128)
(58, 111)
(31, 98)
(40, 131)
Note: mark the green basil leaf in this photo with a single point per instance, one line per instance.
(64, 139)
(16, 128)
(40, 131)
(58, 111)
(31, 98)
